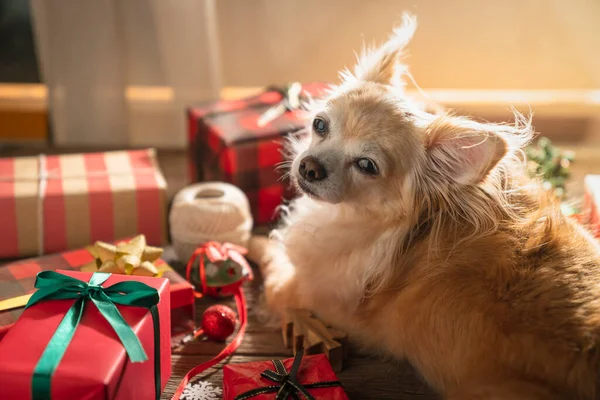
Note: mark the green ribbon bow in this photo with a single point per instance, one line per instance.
(54, 286)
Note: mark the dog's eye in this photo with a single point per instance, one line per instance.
(367, 166)
(320, 126)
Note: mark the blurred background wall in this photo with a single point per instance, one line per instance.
(465, 44)
(122, 72)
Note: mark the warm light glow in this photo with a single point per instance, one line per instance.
(555, 102)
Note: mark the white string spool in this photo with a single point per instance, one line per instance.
(211, 211)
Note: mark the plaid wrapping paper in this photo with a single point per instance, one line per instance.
(18, 278)
(59, 202)
(226, 144)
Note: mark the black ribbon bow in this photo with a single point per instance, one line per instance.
(288, 384)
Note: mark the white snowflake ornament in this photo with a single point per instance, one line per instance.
(201, 391)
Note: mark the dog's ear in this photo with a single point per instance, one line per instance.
(381, 64)
(463, 151)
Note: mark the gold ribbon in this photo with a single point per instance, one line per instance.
(133, 257)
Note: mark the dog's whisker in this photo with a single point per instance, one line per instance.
(284, 177)
(283, 166)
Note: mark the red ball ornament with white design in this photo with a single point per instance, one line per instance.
(218, 322)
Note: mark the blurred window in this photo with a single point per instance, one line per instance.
(18, 61)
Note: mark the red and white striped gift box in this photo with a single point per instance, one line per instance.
(59, 202)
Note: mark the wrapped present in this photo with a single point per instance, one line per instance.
(17, 280)
(309, 377)
(94, 336)
(60, 202)
(240, 142)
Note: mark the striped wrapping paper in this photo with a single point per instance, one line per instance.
(59, 202)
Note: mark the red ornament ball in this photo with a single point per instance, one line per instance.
(218, 322)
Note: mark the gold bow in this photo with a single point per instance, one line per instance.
(132, 257)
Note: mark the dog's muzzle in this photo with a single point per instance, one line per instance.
(312, 170)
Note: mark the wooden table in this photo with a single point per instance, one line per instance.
(364, 377)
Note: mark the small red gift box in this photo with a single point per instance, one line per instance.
(60, 202)
(17, 279)
(228, 143)
(263, 380)
(95, 365)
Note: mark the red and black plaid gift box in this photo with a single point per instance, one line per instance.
(17, 279)
(227, 143)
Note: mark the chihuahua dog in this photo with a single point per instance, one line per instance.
(422, 235)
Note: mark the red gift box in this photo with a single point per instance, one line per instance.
(227, 144)
(244, 379)
(95, 365)
(60, 202)
(18, 278)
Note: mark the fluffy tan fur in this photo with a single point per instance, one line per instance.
(450, 257)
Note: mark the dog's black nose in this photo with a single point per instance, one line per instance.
(312, 170)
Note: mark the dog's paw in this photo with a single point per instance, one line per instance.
(274, 291)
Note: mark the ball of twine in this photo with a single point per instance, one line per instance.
(211, 211)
